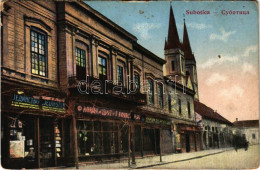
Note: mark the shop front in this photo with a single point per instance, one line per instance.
(157, 135)
(103, 133)
(153, 136)
(32, 128)
(189, 138)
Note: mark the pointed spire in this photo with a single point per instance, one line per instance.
(173, 37)
(186, 45)
(165, 44)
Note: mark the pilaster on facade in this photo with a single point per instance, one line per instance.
(94, 55)
(113, 60)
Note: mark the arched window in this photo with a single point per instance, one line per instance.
(38, 52)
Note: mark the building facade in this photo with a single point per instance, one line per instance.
(249, 129)
(68, 76)
(180, 68)
(217, 131)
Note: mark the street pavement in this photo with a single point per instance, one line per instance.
(207, 159)
(231, 159)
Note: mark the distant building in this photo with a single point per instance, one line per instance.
(217, 132)
(249, 129)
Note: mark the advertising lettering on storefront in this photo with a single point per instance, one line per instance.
(157, 121)
(39, 102)
(98, 111)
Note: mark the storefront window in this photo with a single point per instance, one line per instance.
(22, 142)
(97, 147)
(149, 140)
(124, 138)
(95, 137)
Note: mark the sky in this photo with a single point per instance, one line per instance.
(227, 84)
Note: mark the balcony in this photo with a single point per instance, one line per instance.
(96, 86)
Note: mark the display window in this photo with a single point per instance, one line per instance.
(149, 139)
(97, 137)
(22, 139)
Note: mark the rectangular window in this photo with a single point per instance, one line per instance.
(188, 105)
(80, 57)
(120, 74)
(170, 103)
(38, 53)
(179, 102)
(194, 74)
(150, 92)
(80, 64)
(182, 65)
(137, 81)
(173, 66)
(102, 67)
(161, 95)
(253, 136)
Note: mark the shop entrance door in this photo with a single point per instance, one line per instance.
(46, 142)
(157, 138)
(187, 143)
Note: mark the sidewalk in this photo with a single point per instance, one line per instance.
(149, 162)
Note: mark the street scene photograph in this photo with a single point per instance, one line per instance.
(129, 84)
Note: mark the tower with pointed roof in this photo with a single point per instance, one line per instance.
(190, 62)
(180, 61)
(174, 56)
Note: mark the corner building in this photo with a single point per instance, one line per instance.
(53, 50)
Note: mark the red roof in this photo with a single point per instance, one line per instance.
(209, 113)
(246, 123)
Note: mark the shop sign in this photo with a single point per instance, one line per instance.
(39, 102)
(91, 110)
(157, 121)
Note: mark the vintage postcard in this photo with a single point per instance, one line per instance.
(129, 84)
